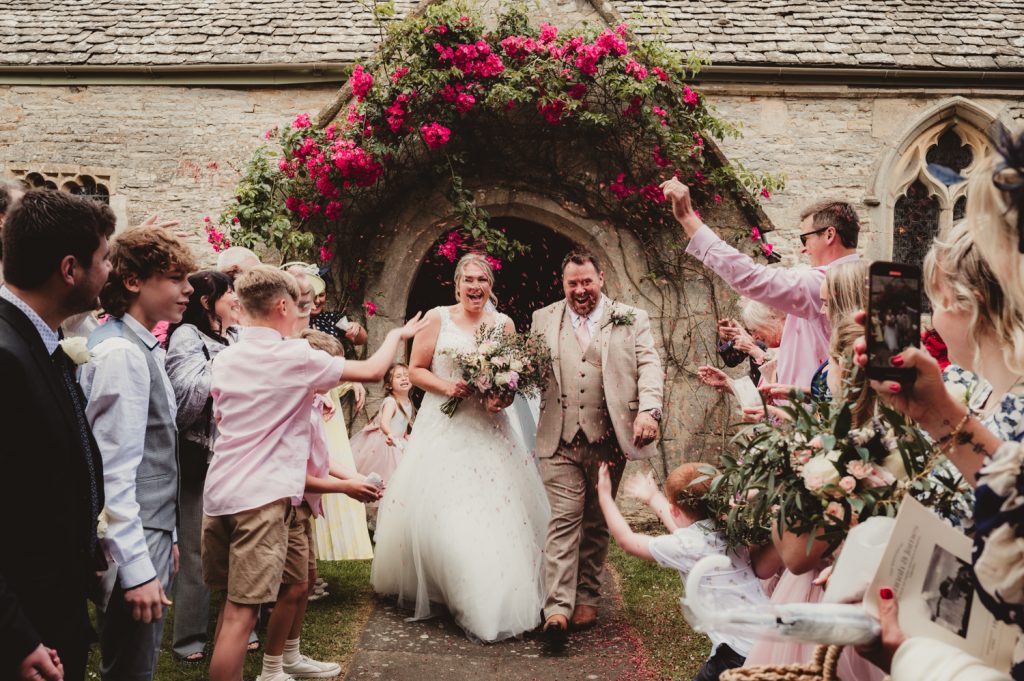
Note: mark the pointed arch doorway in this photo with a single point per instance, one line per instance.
(523, 285)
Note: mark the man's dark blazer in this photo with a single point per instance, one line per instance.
(45, 560)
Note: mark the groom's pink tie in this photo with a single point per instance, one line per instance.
(583, 334)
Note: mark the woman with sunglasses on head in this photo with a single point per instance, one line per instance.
(995, 224)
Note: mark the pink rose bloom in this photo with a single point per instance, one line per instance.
(301, 121)
(362, 81)
(689, 96)
(483, 383)
(435, 135)
(513, 381)
(814, 482)
(848, 484)
(371, 308)
(834, 509)
(879, 477)
(859, 469)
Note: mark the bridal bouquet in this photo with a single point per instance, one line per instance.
(503, 364)
(819, 475)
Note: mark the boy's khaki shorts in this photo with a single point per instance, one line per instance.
(244, 553)
(301, 559)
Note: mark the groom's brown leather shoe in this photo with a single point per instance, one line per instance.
(584, 617)
(556, 631)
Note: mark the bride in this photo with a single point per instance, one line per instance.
(464, 517)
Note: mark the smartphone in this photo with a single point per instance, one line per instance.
(894, 318)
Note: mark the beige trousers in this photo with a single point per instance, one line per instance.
(577, 541)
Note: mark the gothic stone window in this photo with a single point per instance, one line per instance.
(929, 201)
(96, 183)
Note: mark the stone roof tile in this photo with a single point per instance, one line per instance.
(982, 34)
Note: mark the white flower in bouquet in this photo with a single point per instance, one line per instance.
(502, 379)
(862, 436)
(487, 347)
(77, 349)
(516, 366)
(500, 361)
(821, 471)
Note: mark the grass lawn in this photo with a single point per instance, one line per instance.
(332, 626)
(650, 595)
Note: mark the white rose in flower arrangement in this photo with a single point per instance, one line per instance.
(820, 471)
(487, 347)
(516, 366)
(77, 349)
(500, 361)
(503, 379)
(894, 464)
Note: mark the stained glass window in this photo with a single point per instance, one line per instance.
(916, 222)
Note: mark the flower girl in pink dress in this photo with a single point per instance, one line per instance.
(377, 448)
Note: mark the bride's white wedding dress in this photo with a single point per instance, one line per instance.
(464, 517)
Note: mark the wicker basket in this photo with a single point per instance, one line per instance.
(821, 668)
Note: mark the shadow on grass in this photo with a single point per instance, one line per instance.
(331, 630)
(650, 596)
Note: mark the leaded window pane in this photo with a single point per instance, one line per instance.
(960, 209)
(916, 224)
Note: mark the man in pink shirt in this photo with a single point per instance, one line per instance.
(828, 236)
(262, 389)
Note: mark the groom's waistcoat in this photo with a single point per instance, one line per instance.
(583, 405)
(156, 480)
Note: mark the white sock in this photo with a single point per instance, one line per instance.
(272, 664)
(291, 651)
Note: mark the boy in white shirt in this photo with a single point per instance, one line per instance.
(693, 536)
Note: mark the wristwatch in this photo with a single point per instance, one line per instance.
(655, 414)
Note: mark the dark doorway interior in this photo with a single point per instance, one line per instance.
(523, 285)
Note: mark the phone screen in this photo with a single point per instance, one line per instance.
(894, 323)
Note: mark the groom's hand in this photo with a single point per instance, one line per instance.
(645, 429)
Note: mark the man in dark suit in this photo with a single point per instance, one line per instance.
(55, 263)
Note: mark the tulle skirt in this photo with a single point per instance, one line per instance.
(769, 651)
(462, 524)
(373, 454)
(341, 533)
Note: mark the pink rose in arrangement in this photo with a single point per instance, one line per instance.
(483, 383)
(766, 194)
(635, 69)
(399, 73)
(848, 484)
(768, 249)
(464, 102)
(660, 73)
(435, 135)
(495, 263)
(612, 43)
(755, 234)
(513, 380)
(301, 121)
(859, 469)
(834, 509)
(689, 96)
(548, 33)
(370, 307)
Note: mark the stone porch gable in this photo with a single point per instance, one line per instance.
(984, 35)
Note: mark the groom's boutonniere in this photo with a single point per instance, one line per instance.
(619, 317)
(77, 349)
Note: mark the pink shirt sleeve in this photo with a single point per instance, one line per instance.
(793, 291)
(323, 370)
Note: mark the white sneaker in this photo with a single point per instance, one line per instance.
(281, 676)
(308, 668)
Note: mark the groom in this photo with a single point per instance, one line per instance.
(604, 404)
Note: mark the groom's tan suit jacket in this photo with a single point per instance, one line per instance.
(631, 374)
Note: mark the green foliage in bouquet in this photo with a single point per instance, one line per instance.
(820, 473)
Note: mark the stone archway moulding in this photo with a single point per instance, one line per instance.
(904, 162)
(420, 230)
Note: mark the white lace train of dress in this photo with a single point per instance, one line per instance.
(464, 517)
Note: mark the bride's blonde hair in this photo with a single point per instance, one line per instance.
(480, 261)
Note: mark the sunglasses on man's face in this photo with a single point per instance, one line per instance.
(803, 237)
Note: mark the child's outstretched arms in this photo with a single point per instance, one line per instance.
(632, 543)
(372, 369)
(644, 488)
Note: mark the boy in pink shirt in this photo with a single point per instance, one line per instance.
(263, 389)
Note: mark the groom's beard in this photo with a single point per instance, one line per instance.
(583, 305)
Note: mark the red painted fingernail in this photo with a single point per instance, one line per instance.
(886, 593)
(894, 388)
(897, 361)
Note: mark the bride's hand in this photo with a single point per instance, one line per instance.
(496, 402)
(458, 389)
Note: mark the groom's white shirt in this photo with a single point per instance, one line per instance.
(593, 319)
